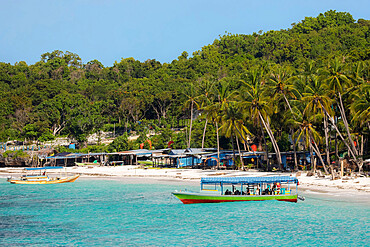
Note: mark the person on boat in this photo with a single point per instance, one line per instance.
(273, 188)
(227, 192)
(257, 191)
(237, 192)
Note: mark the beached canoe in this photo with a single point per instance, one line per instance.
(251, 189)
(87, 164)
(42, 177)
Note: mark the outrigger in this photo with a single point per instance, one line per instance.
(251, 189)
(42, 177)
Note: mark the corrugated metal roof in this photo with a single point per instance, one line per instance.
(44, 168)
(228, 152)
(69, 156)
(249, 180)
(191, 151)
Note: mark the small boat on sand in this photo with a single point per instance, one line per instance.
(39, 176)
(216, 189)
(95, 163)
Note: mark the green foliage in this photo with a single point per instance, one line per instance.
(259, 72)
(120, 144)
(94, 149)
(15, 154)
(62, 149)
(30, 131)
(47, 136)
(9, 134)
(197, 135)
(284, 142)
(161, 140)
(179, 141)
(330, 18)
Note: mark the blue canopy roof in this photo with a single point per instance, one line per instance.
(44, 168)
(249, 180)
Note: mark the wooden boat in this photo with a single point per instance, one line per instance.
(42, 177)
(87, 164)
(251, 189)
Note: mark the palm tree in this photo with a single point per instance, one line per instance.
(318, 101)
(307, 75)
(233, 125)
(282, 85)
(254, 98)
(192, 101)
(359, 98)
(313, 90)
(206, 99)
(219, 98)
(360, 109)
(361, 105)
(338, 82)
(307, 132)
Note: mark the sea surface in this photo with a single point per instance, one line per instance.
(106, 212)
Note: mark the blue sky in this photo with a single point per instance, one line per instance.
(109, 30)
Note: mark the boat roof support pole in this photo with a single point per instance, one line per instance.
(261, 188)
(296, 188)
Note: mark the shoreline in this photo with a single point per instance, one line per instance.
(352, 187)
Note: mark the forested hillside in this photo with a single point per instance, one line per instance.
(311, 80)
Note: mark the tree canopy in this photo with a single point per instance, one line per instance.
(321, 63)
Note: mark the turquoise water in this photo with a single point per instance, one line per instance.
(112, 212)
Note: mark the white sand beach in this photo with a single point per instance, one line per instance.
(313, 184)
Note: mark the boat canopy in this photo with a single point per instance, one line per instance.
(249, 180)
(44, 168)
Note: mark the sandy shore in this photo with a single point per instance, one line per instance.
(350, 185)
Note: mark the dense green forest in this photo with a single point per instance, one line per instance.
(309, 84)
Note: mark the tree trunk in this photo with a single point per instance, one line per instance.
(326, 130)
(218, 147)
(311, 159)
(294, 150)
(340, 135)
(361, 153)
(258, 161)
(204, 133)
(287, 102)
(232, 143)
(276, 147)
(319, 154)
(191, 122)
(240, 155)
(344, 118)
(336, 145)
(266, 149)
(275, 143)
